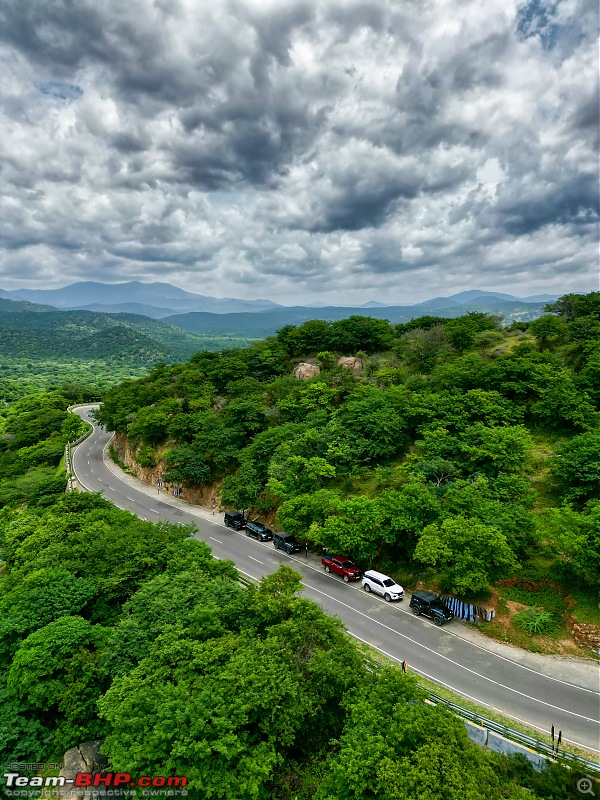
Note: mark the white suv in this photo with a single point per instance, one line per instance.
(381, 584)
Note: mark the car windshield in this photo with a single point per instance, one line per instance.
(389, 582)
(347, 564)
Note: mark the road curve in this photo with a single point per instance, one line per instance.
(493, 680)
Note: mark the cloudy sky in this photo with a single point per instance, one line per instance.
(300, 150)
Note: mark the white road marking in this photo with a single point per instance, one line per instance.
(255, 559)
(130, 498)
(215, 540)
(463, 694)
(154, 511)
(445, 658)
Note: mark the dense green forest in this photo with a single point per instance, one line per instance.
(459, 451)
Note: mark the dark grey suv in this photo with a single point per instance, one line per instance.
(430, 605)
(258, 531)
(285, 541)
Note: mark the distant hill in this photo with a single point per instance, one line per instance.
(19, 306)
(90, 335)
(267, 323)
(157, 297)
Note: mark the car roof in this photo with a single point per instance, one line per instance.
(423, 595)
(373, 573)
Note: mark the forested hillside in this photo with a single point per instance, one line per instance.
(457, 451)
(42, 347)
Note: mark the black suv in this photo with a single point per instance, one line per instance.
(234, 519)
(285, 541)
(258, 531)
(430, 605)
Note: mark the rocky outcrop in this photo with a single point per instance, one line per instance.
(85, 758)
(350, 362)
(304, 371)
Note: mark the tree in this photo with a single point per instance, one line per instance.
(405, 513)
(240, 700)
(355, 529)
(186, 465)
(298, 513)
(38, 598)
(57, 671)
(495, 450)
(563, 406)
(395, 747)
(422, 349)
(463, 330)
(471, 555)
(295, 474)
(360, 333)
(548, 329)
(150, 425)
(575, 537)
(576, 467)
(573, 306)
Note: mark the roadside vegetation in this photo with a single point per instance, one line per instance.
(455, 453)
(33, 433)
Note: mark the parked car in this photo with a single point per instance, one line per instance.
(258, 531)
(382, 584)
(430, 605)
(341, 565)
(234, 519)
(285, 541)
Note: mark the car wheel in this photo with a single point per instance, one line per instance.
(416, 611)
(276, 545)
(437, 620)
(386, 597)
(327, 569)
(367, 588)
(346, 578)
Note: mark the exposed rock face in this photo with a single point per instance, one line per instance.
(305, 371)
(85, 758)
(586, 635)
(350, 362)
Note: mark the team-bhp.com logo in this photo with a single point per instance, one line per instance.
(18, 785)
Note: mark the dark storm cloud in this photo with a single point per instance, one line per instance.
(309, 150)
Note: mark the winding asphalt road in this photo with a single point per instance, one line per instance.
(493, 680)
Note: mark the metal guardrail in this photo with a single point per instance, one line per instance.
(516, 736)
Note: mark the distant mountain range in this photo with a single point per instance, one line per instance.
(32, 330)
(162, 300)
(155, 300)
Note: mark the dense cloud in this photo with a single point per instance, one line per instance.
(301, 150)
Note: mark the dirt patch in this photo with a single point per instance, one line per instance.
(566, 639)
